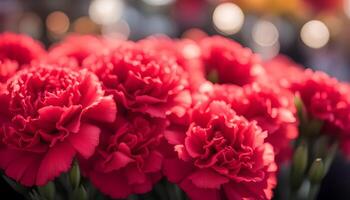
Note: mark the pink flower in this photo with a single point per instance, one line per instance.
(49, 115)
(127, 160)
(327, 100)
(16, 52)
(20, 48)
(72, 51)
(233, 63)
(222, 156)
(142, 81)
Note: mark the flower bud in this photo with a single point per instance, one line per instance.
(316, 171)
(299, 165)
(74, 175)
(80, 193)
(48, 191)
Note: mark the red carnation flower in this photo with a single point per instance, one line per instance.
(271, 107)
(7, 69)
(72, 51)
(223, 156)
(142, 81)
(185, 52)
(17, 51)
(233, 63)
(127, 160)
(327, 100)
(48, 115)
(281, 70)
(20, 48)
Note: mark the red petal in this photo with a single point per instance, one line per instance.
(86, 140)
(196, 193)
(103, 111)
(20, 165)
(176, 170)
(153, 162)
(113, 184)
(206, 178)
(56, 161)
(116, 161)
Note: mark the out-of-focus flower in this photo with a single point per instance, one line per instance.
(17, 51)
(187, 54)
(48, 115)
(281, 70)
(327, 100)
(222, 156)
(324, 5)
(229, 61)
(72, 51)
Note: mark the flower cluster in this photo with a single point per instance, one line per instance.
(209, 116)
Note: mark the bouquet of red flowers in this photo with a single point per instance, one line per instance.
(159, 118)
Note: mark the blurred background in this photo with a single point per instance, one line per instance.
(315, 33)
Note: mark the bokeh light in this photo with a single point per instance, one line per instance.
(106, 11)
(158, 2)
(84, 25)
(315, 34)
(265, 33)
(57, 23)
(228, 18)
(31, 24)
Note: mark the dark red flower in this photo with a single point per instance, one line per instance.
(127, 160)
(72, 51)
(231, 62)
(48, 115)
(327, 100)
(222, 156)
(142, 81)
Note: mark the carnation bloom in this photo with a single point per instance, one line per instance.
(7, 69)
(270, 106)
(281, 70)
(72, 51)
(141, 81)
(327, 100)
(231, 62)
(20, 48)
(17, 51)
(222, 156)
(127, 160)
(185, 52)
(49, 115)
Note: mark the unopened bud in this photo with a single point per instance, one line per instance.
(80, 193)
(74, 175)
(299, 165)
(48, 191)
(316, 171)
